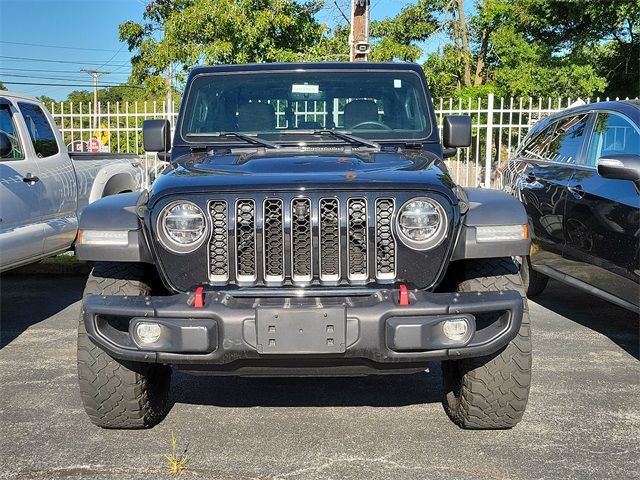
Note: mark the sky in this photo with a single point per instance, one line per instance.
(48, 41)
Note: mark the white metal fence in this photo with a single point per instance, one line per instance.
(499, 125)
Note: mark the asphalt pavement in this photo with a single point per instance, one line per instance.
(583, 419)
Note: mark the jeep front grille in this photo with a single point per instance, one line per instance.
(302, 240)
(329, 236)
(246, 240)
(357, 239)
(219, 245)
(273, 236)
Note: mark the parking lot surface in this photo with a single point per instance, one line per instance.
(583, 419)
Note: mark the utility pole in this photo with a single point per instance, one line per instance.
(359, 36)
(95, 74)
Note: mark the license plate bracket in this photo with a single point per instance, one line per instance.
(301, 330)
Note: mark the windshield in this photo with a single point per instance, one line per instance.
(279, 106)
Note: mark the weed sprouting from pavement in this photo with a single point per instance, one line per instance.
(177, 462)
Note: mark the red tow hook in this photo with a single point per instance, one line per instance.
(198, 298)
(404, 295)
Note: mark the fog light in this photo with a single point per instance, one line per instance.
(456, 328)
(148, 332)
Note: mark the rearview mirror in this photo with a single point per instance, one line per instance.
(5, 145)
(620, 166)
(156, 135)
(456, 131)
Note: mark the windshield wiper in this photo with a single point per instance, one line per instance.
(241, 136)
(347, 138)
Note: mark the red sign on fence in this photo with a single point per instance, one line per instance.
(94, 145)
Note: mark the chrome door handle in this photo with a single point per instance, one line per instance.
(576, 191)
(30, 179)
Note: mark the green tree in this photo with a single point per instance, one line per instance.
(538, 48)
(45, 99)
(395, 38)
(190, 32)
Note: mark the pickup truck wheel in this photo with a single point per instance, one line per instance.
(118, 394)
(534, 282)
(490, 392)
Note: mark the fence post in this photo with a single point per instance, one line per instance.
(489, 142)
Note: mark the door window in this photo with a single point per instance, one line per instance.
(8, 127)
(537, 147)
(40, 131)
(566, 140)
(612, 134)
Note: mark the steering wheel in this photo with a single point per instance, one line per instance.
(371, 122)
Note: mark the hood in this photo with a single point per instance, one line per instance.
(278, 171)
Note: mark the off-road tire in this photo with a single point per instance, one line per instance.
(119, 394)
(490, 392)
(534, 282)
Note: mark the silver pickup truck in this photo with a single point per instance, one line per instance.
(43, 188)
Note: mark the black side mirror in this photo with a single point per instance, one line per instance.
(456, 131)
(156, 135)
(5, 145)
(620, 166)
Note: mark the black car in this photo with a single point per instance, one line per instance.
(578, 175)
(306, 226)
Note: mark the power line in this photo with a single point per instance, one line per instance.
(52, 78)
(58, 46)
(114, 56)
(47, 70)
(28, 59)
(65, 84)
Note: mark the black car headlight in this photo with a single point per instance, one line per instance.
(182, 227)
(421, 223)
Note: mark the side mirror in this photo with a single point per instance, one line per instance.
(456, 131)
(156, 135)
(620, 166)
(5, 145)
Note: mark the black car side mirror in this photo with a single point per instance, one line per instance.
(456, 131)
(620, 166)
(5, 144)
(156, 135)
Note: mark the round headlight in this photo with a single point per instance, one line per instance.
(422, 223)
(182, 227)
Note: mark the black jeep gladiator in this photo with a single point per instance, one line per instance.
(306, 226)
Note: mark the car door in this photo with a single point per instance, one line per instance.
(21, 231)
(57, 179)
(603, 215)
(547, 165)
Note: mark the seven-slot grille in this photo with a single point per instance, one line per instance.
(302, 239)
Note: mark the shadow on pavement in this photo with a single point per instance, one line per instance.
(376, 391)
(618, 324)
(26, 300)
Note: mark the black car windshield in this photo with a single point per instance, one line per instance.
(287, 106)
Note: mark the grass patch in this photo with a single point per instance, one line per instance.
(177, 462)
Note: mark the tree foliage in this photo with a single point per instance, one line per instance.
(576, 48)
(190, 32)
(539, 48)
(396, 38)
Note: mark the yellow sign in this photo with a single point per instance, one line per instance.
(103, 134)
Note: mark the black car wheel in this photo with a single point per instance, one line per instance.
(533, 282)
(118, 394)
(490, 392)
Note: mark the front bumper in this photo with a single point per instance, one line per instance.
(230, 332)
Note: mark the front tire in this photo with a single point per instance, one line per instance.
(490, 392)
(119, 394)
(534, 282)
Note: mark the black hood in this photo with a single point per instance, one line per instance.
(295, 170)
